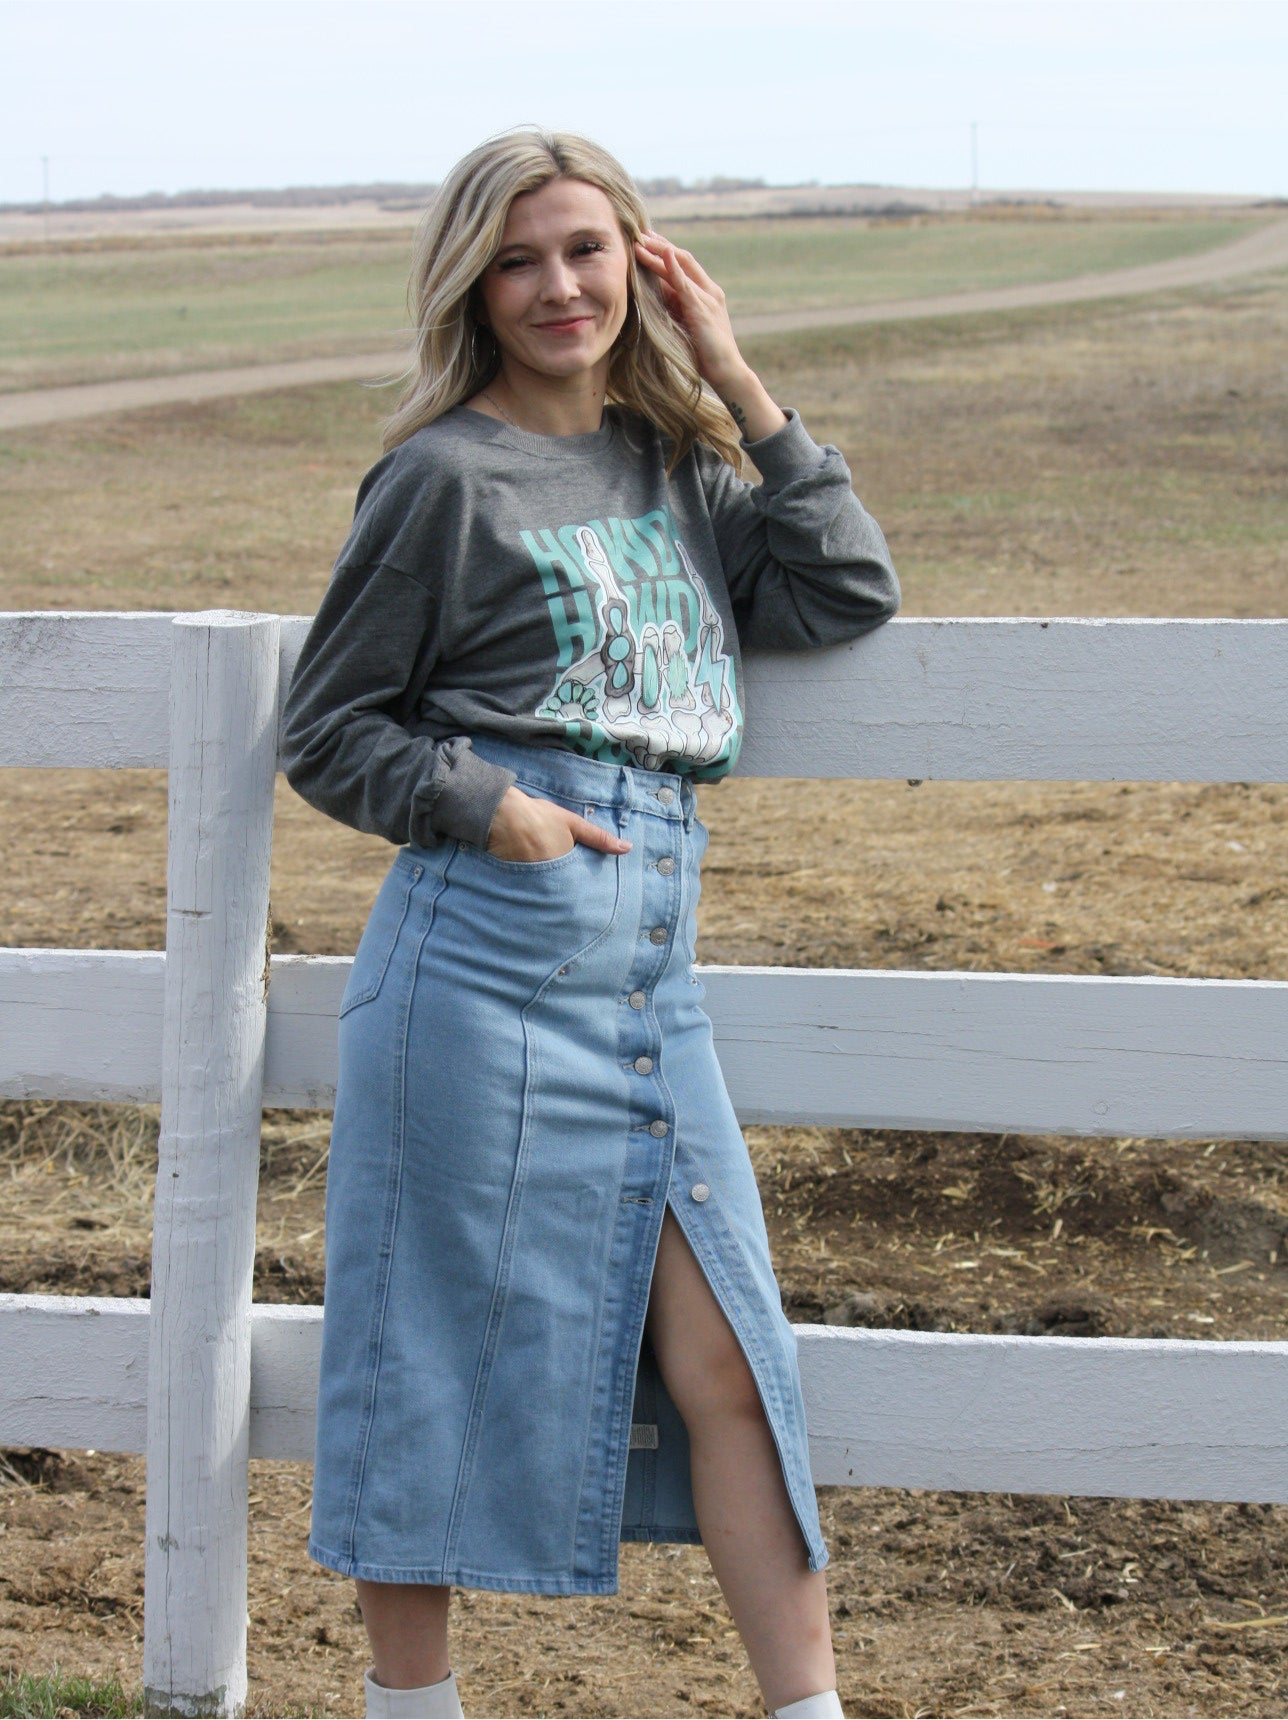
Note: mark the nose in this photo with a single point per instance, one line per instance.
(558, 282)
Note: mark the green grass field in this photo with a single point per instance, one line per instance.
(784, 264)
(84, 315)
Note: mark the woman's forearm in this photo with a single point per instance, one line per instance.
(749, 404)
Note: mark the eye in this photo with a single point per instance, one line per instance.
(512, 263)
(591, 245)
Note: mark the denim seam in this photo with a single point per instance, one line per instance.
(375, 1339)
(482, 1378)
(372, 989)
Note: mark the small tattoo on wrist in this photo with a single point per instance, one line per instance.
(737, 414)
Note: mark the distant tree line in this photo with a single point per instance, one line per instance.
(396, 196)
(672, 187)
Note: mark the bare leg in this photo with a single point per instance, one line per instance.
(744, 1512)
(407, 1625)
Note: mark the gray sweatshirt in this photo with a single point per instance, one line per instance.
(562, 591)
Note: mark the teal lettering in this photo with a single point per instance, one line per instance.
(549, 555)
(610, 535)
(646, 596)
(638, 549)
(683, 608)
(575, 633)
(568, 538)
(659, 528)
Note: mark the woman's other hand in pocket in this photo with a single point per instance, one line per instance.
(525, 827)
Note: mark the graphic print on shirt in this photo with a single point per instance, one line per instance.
(643, 675)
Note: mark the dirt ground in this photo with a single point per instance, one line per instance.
(1142, 467)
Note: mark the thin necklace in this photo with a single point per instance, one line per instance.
(487, 395)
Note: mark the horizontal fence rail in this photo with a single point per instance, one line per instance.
(954, 700)
(1034, 1053)
(1141, 1418)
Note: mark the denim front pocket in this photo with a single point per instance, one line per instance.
(379, 940)
(570, 803)
(550, 865)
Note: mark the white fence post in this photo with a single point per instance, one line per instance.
(223, 747)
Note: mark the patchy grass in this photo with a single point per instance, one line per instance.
(58, 1693)
(61, 1696)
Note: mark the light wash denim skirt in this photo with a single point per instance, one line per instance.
(526, 1080)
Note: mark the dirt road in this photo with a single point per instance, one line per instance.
(1267, 248)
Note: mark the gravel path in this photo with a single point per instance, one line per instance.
(1265, 249)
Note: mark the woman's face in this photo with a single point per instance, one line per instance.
(556, 294)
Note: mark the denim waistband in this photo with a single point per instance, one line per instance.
(660, 793)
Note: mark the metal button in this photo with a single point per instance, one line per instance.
(666, 867)
(658, 1128)
(643, 1066)
(637, 1000)
(666, 795)
(700, 1191)
(657, 935)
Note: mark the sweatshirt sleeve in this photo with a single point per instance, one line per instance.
(343, 747)
(806, 565)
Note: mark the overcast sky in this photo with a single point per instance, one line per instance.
(130, 96)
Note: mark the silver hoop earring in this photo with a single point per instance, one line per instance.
(634, 340)
(474, 351)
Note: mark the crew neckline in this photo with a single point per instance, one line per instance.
(535, 442)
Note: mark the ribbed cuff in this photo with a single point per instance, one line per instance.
(786, 453)
(467, 802)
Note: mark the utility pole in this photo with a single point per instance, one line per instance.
(44, 162)
(974, 162)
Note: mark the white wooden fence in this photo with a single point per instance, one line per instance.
(201, 1379)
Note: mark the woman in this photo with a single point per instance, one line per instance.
(551, 1319)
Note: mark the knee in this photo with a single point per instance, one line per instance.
(715, 1388)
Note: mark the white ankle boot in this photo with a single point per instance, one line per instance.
(429, 1702)
(825, 1706)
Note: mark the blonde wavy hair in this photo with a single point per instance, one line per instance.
(652, 371)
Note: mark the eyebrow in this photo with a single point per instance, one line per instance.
(581, 233)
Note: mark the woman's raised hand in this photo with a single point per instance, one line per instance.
(698, 304)
(525, 827)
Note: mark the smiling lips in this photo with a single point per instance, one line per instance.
(563, 327)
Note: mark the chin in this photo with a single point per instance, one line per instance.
(572, 364)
